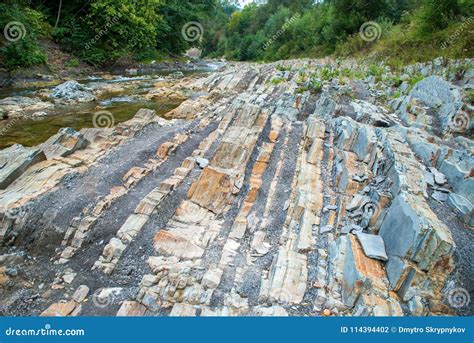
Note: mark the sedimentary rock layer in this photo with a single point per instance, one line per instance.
(268, 197)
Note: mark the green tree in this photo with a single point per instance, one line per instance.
(436, 14)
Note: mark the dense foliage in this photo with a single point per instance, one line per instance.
(24, 51)
(101, 31)
(281, 29)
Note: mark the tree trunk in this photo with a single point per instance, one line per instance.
(59, 13)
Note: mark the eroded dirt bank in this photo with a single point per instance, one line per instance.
(295, 188)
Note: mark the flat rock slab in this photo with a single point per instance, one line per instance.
(460, 203)
(324, 229)
(213, 190)
(131, 309)
(15, 160)
(439, 196)
(60, 309)
(171, 244)
(132, 227)
(373, 246)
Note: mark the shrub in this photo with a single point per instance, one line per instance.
(376, 71)
(74, 62)
(277, 80)
(24, 53)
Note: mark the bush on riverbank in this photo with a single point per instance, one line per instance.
(402, 44)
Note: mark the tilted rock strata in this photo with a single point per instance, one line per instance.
(291, 202)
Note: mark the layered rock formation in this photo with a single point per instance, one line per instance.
(285, 189)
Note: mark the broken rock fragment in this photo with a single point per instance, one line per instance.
(372, 245)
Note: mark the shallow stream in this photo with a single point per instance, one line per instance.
(123, 105)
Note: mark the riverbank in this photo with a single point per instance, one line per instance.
(49, 74)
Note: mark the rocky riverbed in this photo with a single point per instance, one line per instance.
(32, 110)
(303, 187)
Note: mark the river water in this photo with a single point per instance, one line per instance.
(123, 106)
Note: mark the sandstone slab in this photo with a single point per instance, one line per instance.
(172, 244)
(15, 160)
(213, 190)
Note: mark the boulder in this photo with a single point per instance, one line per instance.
(456, 165)
(172, 244)
(132, 227)
(325, 106)
(60, 309)
(64, 143)
(460, 203)
(413, 235)
(325, 229)
(442, 97)
(213, 190)
(212, 278)
(439, 178)
(113, 249)
(72, 90)
(131, 309)
(288, 276)
(368, 113)
(365, 143)
(439, 196)
(202, 162)
(80, 294)
(345, 130)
